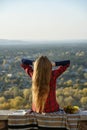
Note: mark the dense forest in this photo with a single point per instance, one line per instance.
(15, 84)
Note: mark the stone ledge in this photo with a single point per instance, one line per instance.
(4, 114)
(4, 119)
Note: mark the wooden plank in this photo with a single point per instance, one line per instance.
(82, 125)
(3, 125)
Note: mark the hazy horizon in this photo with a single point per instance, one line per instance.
(49, 42)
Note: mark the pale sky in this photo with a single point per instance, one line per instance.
(43, 20)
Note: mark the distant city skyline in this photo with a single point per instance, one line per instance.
(43, 20)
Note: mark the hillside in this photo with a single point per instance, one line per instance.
(14, 81)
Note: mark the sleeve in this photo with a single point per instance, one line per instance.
(62, 68)
(27, 62)
(28, 69)
(63, 63)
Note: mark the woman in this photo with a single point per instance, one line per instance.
(44, 82)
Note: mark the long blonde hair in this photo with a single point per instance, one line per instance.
(40, 82)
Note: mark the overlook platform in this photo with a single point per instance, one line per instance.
(19, 120)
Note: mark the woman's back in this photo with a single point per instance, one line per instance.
(44, 83)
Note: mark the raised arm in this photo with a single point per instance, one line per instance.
(61, 63)
(27, 66)
(62, 66)
(27, 61)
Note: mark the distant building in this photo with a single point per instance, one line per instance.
(9, 75)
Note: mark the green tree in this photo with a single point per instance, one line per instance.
(2, 100)
(84, 101)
